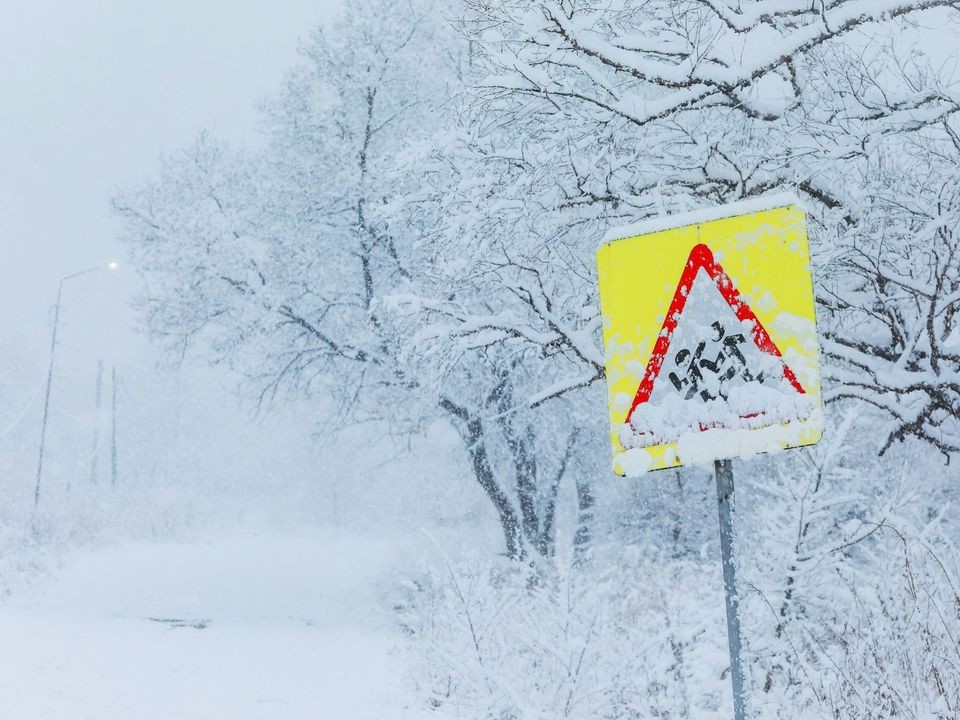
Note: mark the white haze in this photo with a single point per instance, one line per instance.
(379, 485)
(92, 94)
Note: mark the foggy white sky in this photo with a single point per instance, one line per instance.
(91, 93)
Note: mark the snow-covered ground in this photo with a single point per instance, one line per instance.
(242, 626)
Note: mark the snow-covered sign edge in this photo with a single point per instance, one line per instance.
(704, 215)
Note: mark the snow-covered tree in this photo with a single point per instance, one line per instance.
(892, 295)
(583, 116)
(285, 262)
(273, 259)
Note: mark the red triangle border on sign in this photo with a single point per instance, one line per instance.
(701, 257)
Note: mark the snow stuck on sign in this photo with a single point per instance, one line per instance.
(713, 376)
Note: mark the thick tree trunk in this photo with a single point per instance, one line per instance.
(472, 432)
(521, 445)
(519, 436)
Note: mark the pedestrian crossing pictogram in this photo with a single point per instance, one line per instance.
(715, 362)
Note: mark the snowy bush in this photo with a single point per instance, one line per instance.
(630, 637)
(639, 635)
(851, 607)
(894, 652)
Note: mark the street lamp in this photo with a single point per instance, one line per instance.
(112, 265)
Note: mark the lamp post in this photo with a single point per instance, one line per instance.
(112, 265)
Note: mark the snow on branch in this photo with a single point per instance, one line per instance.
(675, 73)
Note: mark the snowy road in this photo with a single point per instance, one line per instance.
(245, 627)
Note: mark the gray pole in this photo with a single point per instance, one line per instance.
(46, 397)
(113, 429)
(724, 473)
(98, 405)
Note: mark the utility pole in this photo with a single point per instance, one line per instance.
(46, 396)
(98, 404)
(113, 429)
(113, 265)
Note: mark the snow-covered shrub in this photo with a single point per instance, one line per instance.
(638, 635)
(852, 608)
(850, 605)
(631, 636)
(895, 652)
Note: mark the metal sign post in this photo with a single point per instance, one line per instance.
(724, 473)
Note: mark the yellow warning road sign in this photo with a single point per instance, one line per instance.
(710, 335)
